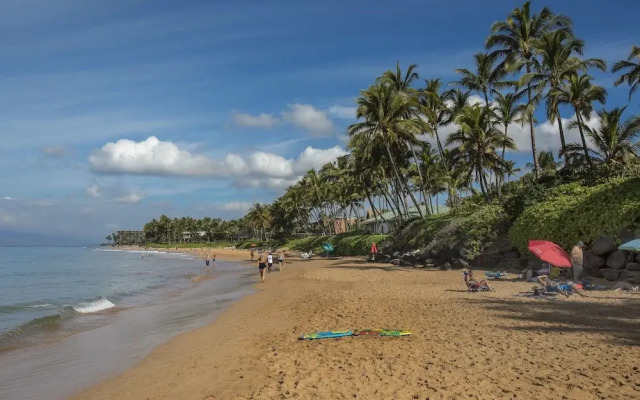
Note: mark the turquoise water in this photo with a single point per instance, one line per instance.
(70, 317)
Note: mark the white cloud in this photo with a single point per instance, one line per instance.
(7, 198)
(269, 164)
(93, 191)
(242, 206)
(54, 151)
(160, 158)
(150, 157)
(130, 198)
(316, 158)
(263, 120)
(307, 117)
(343, 112)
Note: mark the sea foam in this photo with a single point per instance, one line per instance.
(94, 306)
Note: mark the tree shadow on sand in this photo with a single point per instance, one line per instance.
(616, 322)
(367, 265)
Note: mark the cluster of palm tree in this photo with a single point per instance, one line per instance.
(187, 229)
(413, 143)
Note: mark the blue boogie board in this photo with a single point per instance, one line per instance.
(326, 335)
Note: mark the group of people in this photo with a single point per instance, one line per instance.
(265, 262)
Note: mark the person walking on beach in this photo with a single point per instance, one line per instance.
(270, 261)
(576, 260)
(262, 266)
(374, 251)
(252, 254)
(206, 259)
(281, 260)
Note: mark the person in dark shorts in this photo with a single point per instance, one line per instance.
(270, 261)
(262, 265)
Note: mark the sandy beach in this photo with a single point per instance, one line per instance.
(464, 345)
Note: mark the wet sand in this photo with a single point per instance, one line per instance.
(464, 345)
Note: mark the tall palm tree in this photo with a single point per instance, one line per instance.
(507, 112)
(477, 141)
(484, 78)
(434, 106)
(613, 141)
(514, 39)
(384, 111)
(579, 92)
(555, 63)
(632, 76)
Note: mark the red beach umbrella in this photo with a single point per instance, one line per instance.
(550, 252)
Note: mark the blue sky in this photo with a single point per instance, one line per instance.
(113, 112)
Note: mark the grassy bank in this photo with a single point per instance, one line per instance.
(353, 243)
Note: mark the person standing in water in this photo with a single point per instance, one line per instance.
(206, 259)
(262, 265)
(281, 260)
(270, 260)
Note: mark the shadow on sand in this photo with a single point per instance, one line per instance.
(620, 321)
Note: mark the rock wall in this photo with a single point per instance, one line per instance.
(603, 260)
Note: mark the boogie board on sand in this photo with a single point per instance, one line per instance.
(326, 335)
(381, 332)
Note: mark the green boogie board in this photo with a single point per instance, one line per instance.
(381, 332)
(326, 335)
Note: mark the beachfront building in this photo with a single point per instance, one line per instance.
(196, 236)
(390, 220)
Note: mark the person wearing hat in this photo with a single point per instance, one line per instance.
(576, 260)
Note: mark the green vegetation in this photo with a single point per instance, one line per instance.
(469, 228)
(573, 212)
(531, 59)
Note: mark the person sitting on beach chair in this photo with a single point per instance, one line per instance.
(473, 285)
(564, 289)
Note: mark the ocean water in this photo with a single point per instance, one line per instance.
(70, 317)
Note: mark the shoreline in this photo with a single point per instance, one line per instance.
(483, 345)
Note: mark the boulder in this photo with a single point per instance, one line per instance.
(611, 274)
(637, 257)
(632, 266)
(396, 254)
(511, 255)
(591, 261)
(386, 258)
(617, 259)
(603, 246)
(395, 261)
(405, 263)
(630, 276)
(595, 273)
(445, 266)
(459, 264)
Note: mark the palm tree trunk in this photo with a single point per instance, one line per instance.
(403, 182)
(373, 207)
(415, 160)
(584, 142)
(533, 136)
(562, 142)
(440, 149)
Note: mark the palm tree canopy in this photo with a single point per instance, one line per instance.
(632, 76)
(578, 91)
(515, 37)
(613, 140)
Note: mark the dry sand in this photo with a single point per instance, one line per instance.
(464, 345)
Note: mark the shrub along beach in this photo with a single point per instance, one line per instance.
(430, 209)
